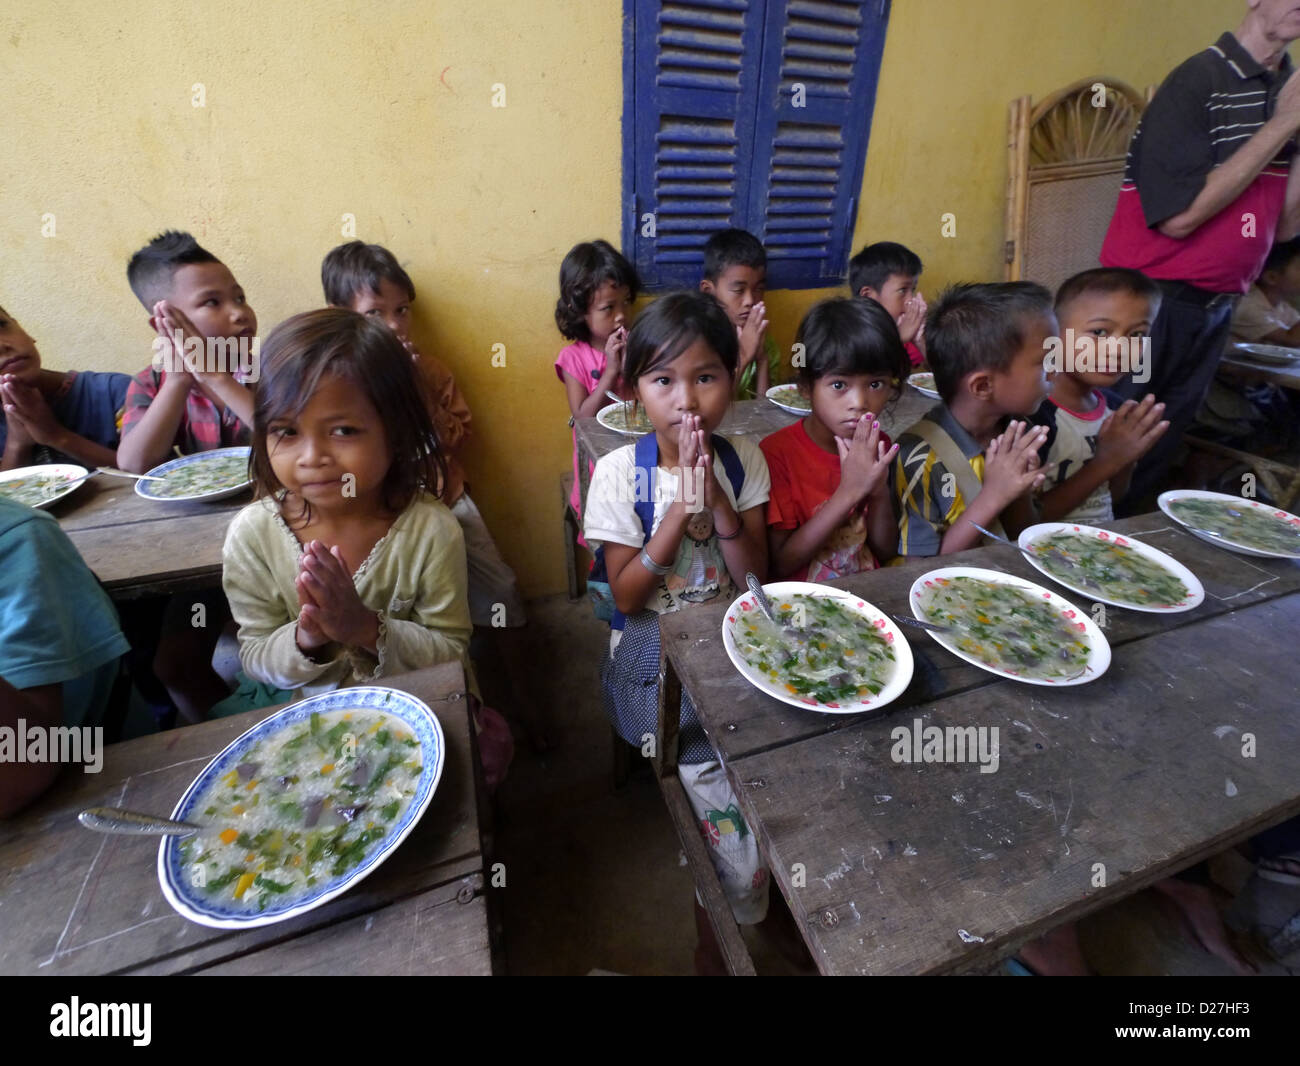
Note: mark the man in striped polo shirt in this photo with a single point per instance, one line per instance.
(1208, 187)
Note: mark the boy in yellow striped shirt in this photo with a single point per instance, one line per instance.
(969, 459)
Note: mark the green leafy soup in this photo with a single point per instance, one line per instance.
(1007, 627)
(820, 649)
(1252, 527)
(306, 805)
(1114, 571)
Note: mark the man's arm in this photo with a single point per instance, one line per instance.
(1226, 182)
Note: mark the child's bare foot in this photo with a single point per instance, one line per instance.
(1057, 954)
(1202, 922)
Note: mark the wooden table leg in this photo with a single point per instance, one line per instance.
(735, 953)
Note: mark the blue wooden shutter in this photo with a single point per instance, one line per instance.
(688, 122)
(807, 161)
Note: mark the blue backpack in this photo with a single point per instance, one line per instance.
(647, 461)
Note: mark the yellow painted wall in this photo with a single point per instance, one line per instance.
(316, 109)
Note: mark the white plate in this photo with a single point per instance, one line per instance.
(788, 398)
(56, 474)
(1167, 498)
(871, 615)
(1099, 647)
(923, 383)
(204, 910)
(1274, 354)
(148, 489)
(605, 415)
(1196, 592)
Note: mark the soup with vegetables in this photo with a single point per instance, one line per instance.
(1253, 527)
(820, 649)
(628, 417)
(204, 476)
(305, 806)
(1007, 627)
(32, 490)
(791, 397)
(1112, 570)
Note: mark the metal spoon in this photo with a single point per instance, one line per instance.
(133, 823)
(751, 579)
(919, 624)
(126, 473)
(107, 470)
(1054, 552)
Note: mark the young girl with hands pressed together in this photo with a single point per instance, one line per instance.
(831, 512)
(347, 568)
(679, 517)
(597, 289)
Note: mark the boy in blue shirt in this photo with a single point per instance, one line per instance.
(53, 416)
(60, 643)
(735, 274)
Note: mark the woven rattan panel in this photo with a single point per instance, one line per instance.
(1066, 224)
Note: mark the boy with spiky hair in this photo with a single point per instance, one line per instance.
(188, 292)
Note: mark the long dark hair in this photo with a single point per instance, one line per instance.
(303, 349)
(585, 269)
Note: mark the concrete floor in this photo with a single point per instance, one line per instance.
(596, 878)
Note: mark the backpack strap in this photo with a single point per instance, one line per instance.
(730, 463)
(947, 452)
(647, 462)
(646, 451)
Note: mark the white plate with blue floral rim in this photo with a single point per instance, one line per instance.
(923, 382)
(789, 398)
(210, 475)
(174, 876)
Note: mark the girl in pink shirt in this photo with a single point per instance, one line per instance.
(597, 289)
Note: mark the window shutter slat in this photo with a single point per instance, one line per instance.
(696, 88)
(821, 61)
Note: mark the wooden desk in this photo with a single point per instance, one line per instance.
(1134, 770)
(1282, 480)
(755, 419)
(77, 902)
(139, 547)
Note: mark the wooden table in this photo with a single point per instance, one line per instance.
(898, 868)
(139, 547)
(1282, 480)
(77, 902)
(755, 419)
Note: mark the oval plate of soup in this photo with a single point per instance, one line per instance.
(995, 638)
(751, 645)
(1272, 354)
(1258, 529)
(269, 850)
(210, 475)
(41, 486)
(923, 382)
(1125, 572)
(627, 417)
(789, 398)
